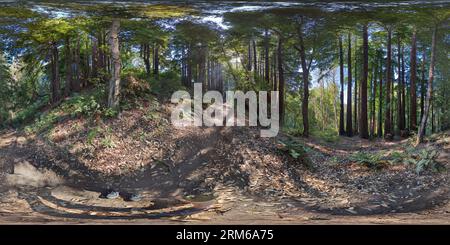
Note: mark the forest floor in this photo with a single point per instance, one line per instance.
(216, 175)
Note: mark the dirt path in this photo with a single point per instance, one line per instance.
(221, 176)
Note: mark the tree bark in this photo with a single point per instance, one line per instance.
(363, 115)
(423, 123)
(114, 83)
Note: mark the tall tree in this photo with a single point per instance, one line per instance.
(156, 60)
(69, 74)
(399, 87)
(413, 98)
(355, 90)
(266, 57)
(305, 80)
(55, 82)
(403, 93)
(349, 87)
(363, 115)
(280, 79)
(341, 75)
(387, 118)
(423, 83)
(114, 83)
(380, 100)
(374, 93)
(423, 122)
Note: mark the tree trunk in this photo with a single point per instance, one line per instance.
(341, 75)
(399, 88)
(146, 57)
(156, 61)
(94, 57)
(355, 91)
(266, 57)
(349, 87)
(363, 115)
(255, 60)
(403, 94)
(55, 84)
(189, 66)
(413, 98)
(423, 122)
(69, 72)
(249, 56)
(87, 71)
(387, 118)
(422, 87)
(305, 78)
(76, 81)
(281, 79)
(374, 95)
(114, 83)
(380, 102)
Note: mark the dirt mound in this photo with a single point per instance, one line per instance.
(26, 174)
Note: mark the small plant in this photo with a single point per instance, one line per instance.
(92, 134)
(368, 159)
(426, 160)
(296, 150)
(107, 142)
(86, 105)
(422, 160)
(110, 112)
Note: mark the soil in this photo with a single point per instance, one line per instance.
(208, 175)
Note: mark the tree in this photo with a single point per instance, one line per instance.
(399, 87)
(387, 118)
(341, 75)
(413, 72)
(114, 83)
(349, 87)
(266, 57)
(423, 122)
(69, 74)
(363, 115)
(380, 99)
(280, 79)
(305, 80)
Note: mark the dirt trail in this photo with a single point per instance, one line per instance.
(218, 175)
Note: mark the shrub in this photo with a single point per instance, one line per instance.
(368, 159)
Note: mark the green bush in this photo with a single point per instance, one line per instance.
(370, 160)
(296, 150)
